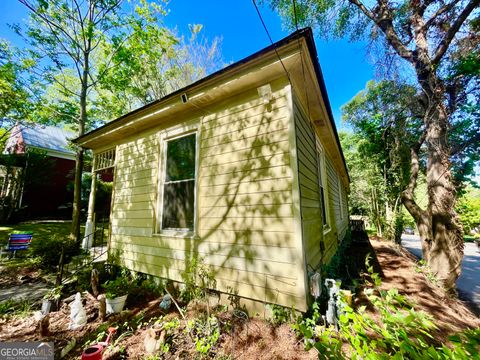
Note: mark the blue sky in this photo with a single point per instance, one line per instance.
(344, 64)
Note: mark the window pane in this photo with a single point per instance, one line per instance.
(322, 198)
(178, 201)
(181, 158)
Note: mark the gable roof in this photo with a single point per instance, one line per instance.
(48, 137)
(52, 139)
(158, 106)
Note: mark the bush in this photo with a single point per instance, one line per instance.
(400, 332)
(198, 278)
(280, 314)
(205, 333)
(12, 308)
(117, 287)
(50, 250)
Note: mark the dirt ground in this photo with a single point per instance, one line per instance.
(254, 338)
(398, 271)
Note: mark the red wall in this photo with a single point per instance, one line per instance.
(43, 200)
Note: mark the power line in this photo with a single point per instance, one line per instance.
(295, 14)
(271, 41)
(301, 59)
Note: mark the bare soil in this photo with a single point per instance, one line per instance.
(252, 338)
(398, 271)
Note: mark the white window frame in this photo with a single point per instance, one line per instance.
(322, 174)
(166, 136)
(340, 195)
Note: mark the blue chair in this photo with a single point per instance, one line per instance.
(19, 241)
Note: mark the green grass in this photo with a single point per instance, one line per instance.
(41, 231)
(469, 238)
(12, 308)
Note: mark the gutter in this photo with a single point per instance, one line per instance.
(305, 32)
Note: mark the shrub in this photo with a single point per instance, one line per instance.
(50, 250)
(198, 278)
(12, 308)
(117, 287)
(280, 314)
(205, 333)
(400, 332)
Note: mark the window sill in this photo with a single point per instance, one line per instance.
(326, 230)
(175, 234)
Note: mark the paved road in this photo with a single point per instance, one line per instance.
(468, 284)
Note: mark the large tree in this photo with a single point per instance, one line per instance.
(99, 59)
(386, 120)
(63, 36)
(152, 63)
(426, 35)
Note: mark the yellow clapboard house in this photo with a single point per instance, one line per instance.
(242, 168)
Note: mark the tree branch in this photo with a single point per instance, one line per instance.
(460, 147)
(407, 195)
(384, 22)
(445, 8)
(449, 36)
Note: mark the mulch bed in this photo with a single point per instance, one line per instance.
(398, 271)
(254, 338)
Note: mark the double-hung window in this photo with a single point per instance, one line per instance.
(322, 183)
(178, 186)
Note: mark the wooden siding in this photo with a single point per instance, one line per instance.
(244, 203)
(310, 205)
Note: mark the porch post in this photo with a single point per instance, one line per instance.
(90, 224)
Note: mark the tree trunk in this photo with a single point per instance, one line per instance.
(440, 230)
(444, 254)
(77, 201)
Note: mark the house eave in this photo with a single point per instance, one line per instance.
(254, 70)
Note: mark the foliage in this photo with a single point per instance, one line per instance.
(169, 327)
(143, 287)
(117, 287)
(233, 298)
(205, 332)
(437, 41)
(54, 293)
(400, 332)
(13, 308)
(97, 60)
(394, 228)
(23, 173)
(15, 102)
(468, 208)
(154, 62)
(198, 278)
(386, 120)
(422, 267)
(280, 314)
(49, 250)
(103, 193)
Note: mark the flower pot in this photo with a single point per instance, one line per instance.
(93, 353)
(116, 305)
(46, 305)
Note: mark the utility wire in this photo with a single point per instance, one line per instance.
(271, 41)
(301, 59)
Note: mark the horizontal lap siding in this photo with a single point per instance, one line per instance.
(343, 226)
(310, 206)
(244, 202)
(245, 198)
(135, 181)
(338, 221)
